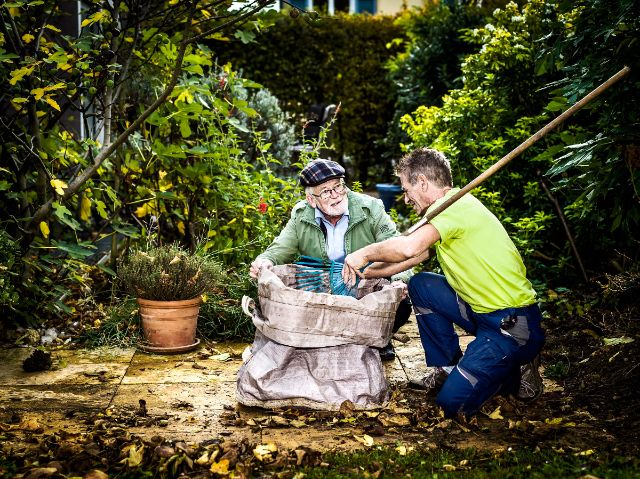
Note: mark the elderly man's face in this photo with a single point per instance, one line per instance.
(330, 197)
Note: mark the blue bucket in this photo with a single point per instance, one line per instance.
(388, 194)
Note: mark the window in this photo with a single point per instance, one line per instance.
(363, 6)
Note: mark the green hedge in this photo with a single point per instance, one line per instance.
(339, 59)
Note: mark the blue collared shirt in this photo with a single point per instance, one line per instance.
(335, 235)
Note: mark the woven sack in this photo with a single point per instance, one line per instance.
(312, 320)
(314, 349)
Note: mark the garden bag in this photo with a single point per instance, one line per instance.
(315, 349)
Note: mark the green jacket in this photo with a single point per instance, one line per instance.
(368, 223)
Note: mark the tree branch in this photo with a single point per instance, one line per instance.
(565, 225)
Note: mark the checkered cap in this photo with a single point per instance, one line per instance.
(318, 171)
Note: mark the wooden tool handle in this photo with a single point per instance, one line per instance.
(516, 151)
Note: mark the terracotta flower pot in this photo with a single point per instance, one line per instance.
(169, 326)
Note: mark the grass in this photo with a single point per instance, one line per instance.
(120, 328)
(470, 463)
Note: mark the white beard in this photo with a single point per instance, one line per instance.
(333, 209)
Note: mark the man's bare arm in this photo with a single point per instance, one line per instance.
(385, 270)
(394, 250)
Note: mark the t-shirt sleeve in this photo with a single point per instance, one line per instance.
(448, 224)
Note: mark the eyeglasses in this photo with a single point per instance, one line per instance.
(338, 190)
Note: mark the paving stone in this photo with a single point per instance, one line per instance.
(58, 397)
(394, 372)
(151, 369)
(173, 397)
(105, 373)
(102, 354)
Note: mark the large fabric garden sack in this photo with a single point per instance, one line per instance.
(315, 349)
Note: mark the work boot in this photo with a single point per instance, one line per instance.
(432, 382)
(387, 353)
(530, 381)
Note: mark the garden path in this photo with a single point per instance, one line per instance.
(188, 397)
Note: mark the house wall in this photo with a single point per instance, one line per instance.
(391, 7)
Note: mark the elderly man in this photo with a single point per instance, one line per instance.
(484, 290)
(331, 223)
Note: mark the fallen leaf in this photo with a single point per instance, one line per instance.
(204, 459)
(347, 408)
(393, 420)
(30, 424)
(496, 414)
(136, 454)
(300, 453)
(221, 467)
(221, 357)
(614, 341)
(298, 423)
(448, 467)
(402, 450)
(588, 452)
(265, 452)
(40, 472)
(96, 474)
(366, 440)
(279, 421)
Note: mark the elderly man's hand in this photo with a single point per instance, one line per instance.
(257, 266)
(351, 270)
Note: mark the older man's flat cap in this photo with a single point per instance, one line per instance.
(320, 170)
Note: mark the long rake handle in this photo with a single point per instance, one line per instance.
(518, 150)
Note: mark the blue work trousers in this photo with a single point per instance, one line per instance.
(491, 362)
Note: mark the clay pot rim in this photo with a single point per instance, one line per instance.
(156, 303)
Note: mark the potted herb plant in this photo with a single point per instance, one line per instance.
(168, 283)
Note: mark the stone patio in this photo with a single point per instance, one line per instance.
(187, 396)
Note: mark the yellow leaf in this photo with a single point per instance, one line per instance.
(64, 66)
(135, 456)
(554, 421)
(265, 452)
(204, 298)
(402, 450)
(496, 414)
(57, 86)
(221, 467)
(28, 38)
(51, 27)
(99, 16)
(185, 96)
(44, 229)
(181, 227)
(162, 174)
(52, 102)
(17, 75)
(85, 208)
(19, 100)
(366, 440)
(128, 39)
(58, 185)
(37, 93)
(588, 452)
(142, 210)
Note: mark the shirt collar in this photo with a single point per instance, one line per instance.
(319, 215)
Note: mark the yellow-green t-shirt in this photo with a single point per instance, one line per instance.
(478, 258)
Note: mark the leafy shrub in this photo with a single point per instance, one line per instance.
(9, 252)
(334, 60)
